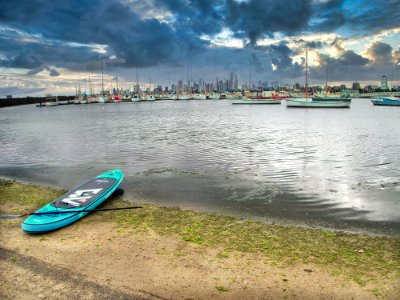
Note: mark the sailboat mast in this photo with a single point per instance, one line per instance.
(326, 81)
(306, 73)
(137, 81)
(391, 84)
(102, 79)
(116, 75)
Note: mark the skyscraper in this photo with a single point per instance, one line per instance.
(236, 83)
(384, 83)
(356, 86)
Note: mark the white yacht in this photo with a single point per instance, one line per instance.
(199, 96)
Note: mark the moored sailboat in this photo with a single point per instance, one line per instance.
(310, 103)
(386, 101)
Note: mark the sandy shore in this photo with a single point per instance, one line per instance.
(132, 256)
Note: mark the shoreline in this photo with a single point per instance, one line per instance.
(165, 252)
(369, 228)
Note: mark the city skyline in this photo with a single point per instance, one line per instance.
(52, 47)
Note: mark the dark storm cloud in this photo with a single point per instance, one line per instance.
(344, 67)
(327, 16)
(258, 19)
(280, 57)
(381, 53)
(130, 31)
(139, 41)
(52, 72)
(37, 56)
(375, 16)
(197, 16)
(310, 45)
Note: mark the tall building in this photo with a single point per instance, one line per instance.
(356, 86)
(180, 86)
(235, 83)
(230, 84)
(384, 83)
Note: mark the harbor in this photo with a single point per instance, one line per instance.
(186, 149)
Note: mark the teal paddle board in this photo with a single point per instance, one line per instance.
(84, 197)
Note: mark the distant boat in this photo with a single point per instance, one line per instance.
(222, 96)
(257, 101)
(149, 97)
(386, 101)
(199, 96)
(102, 99)
(167, 97)
(266, 97)
(83, 99)
(327, 96)
(75, 101)
(136, 98)
(126, 97)
(183, 97)
(116, 99)
(311, 103)
(214, 96)
(232, 96)
(49, 101)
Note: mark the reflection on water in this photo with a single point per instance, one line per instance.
(336, 168)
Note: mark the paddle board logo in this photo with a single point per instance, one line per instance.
(102, 181)
(80, 197)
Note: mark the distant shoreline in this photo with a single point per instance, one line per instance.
(4, 102)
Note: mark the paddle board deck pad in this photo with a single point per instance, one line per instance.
(86, 196)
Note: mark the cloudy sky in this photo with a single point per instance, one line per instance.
(52, 46)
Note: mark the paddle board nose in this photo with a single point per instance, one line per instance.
(113, 173)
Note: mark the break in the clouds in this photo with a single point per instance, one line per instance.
(62, 37)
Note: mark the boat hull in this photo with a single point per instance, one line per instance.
(250, 102)
(386, 102)
(331, 99)
(199, 97)
(316, 104)
(84, 197)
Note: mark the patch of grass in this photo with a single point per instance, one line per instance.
(329, 234)
(377, 292)
(162, 251)
(361, 258)
(221, 288)
(223, 254)
(27, 195)
(279, 245)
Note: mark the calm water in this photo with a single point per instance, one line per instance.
(317, 167)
